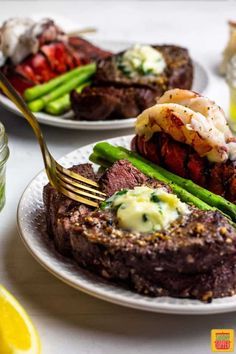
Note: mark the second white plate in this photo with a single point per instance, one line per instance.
(200, 83)
(32, 228)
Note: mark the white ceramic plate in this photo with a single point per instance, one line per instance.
(31, 224)
(64, 121)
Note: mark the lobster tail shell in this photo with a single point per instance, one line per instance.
(182, 160)
(53, 59)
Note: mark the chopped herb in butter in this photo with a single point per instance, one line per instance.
(142, 60)
(145, 209)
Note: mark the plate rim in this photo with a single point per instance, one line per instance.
(58, 121)
(198, 308)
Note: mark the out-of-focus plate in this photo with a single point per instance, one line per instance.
(32, 228)
(200, 83)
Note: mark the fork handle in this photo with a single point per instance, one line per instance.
(12, 94)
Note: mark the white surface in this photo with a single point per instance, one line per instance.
(69, 321)
(200, 83)
(32, 227)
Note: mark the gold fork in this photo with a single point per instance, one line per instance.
(64, 180)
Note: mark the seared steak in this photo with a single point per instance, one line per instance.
(178, 73)
(194, 257)
(61, 211)
(165, 263)
(121, 175)
(86, 49)
(182, 159)
(116, 95)
(108, 102)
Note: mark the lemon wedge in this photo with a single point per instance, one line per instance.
(17, 333)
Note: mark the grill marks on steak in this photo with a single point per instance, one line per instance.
(109, 102)
(115, 95)
(179, 158)
(195, 257)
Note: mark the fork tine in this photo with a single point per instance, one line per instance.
(78, 185)
(76, 176)
(76, 197)
(80, 192)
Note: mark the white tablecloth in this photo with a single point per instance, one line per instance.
(68, 320)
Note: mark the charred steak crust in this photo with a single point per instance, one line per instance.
(193, 244)
(151, 265)
(115, 95)
(61, 212)
(194, 258)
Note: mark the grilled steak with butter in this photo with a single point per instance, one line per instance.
(61, 212)
(193, 257)
(110, 102)
(177, 71)
(128, 82)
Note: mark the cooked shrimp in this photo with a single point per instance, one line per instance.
(177, 96)
(197, 103)
(191, 119)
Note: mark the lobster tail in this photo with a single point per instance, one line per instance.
(53, 53)
(182, 160)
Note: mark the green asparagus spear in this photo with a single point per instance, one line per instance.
(95, 158)
(208, 197)
(37, 91)
(109, 153)
(62, 104)
(40, 103)
(178, 184)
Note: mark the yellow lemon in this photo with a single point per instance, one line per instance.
(17, 333)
